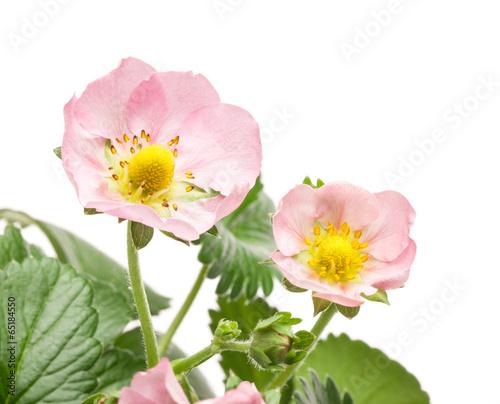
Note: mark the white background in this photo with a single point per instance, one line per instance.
(356, 115)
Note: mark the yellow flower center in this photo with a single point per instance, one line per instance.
(152, 166)
(336, 256)
(144, 173)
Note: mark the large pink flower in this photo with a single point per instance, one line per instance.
(159, 386)
(341, 240)
(160, 149)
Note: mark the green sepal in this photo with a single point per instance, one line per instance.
(91, 211)
(303, 339)
(57, 152)
(272, 396)
(213, 231)
(141, 235)
(379, 296)
(307, 181)
(188, 389)
(291, 287)
(232, 381)
(348, 312)
(268, 261)
(320, 305)
(174, 237)
(97, 399)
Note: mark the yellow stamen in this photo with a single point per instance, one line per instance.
(189, 189)
(308, 242)
(152, 167)
(357, 234)
(317, 230)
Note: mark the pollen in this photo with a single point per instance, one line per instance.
(152, 167)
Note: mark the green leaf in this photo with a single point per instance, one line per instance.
(116, 368)
(317, 393)
(348, 312)
(57, 152)
(54, 347)
(87, 260)
(113, 310)
(132, 342)
(379, 296)
(247, 315)
(246, 239)
(14, 248)
(141, 235)
(110, 303)
(367, 373)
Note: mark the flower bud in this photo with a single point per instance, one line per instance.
(274, 346)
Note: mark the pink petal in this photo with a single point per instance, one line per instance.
(220, 145)
(245, 393)
(347, 294)
(83, 159)
(233, 200)
(388, 236)
(354, 301)
(294, 219)
(340, 202)
(298, 274)
(101, 108)
(131, 396)
(159, 385)
(160, 104)
(393, 274)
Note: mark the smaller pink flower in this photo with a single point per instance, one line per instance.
(155, 386)
(245, 393)
(341, 240)
(160, 386)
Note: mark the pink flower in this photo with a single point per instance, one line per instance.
(341, 240)
(245, 393)
(159, 386)
(160, 149)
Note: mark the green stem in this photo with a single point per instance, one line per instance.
(141, 302)
(317, 329)
(186, 364)
(167, 337)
